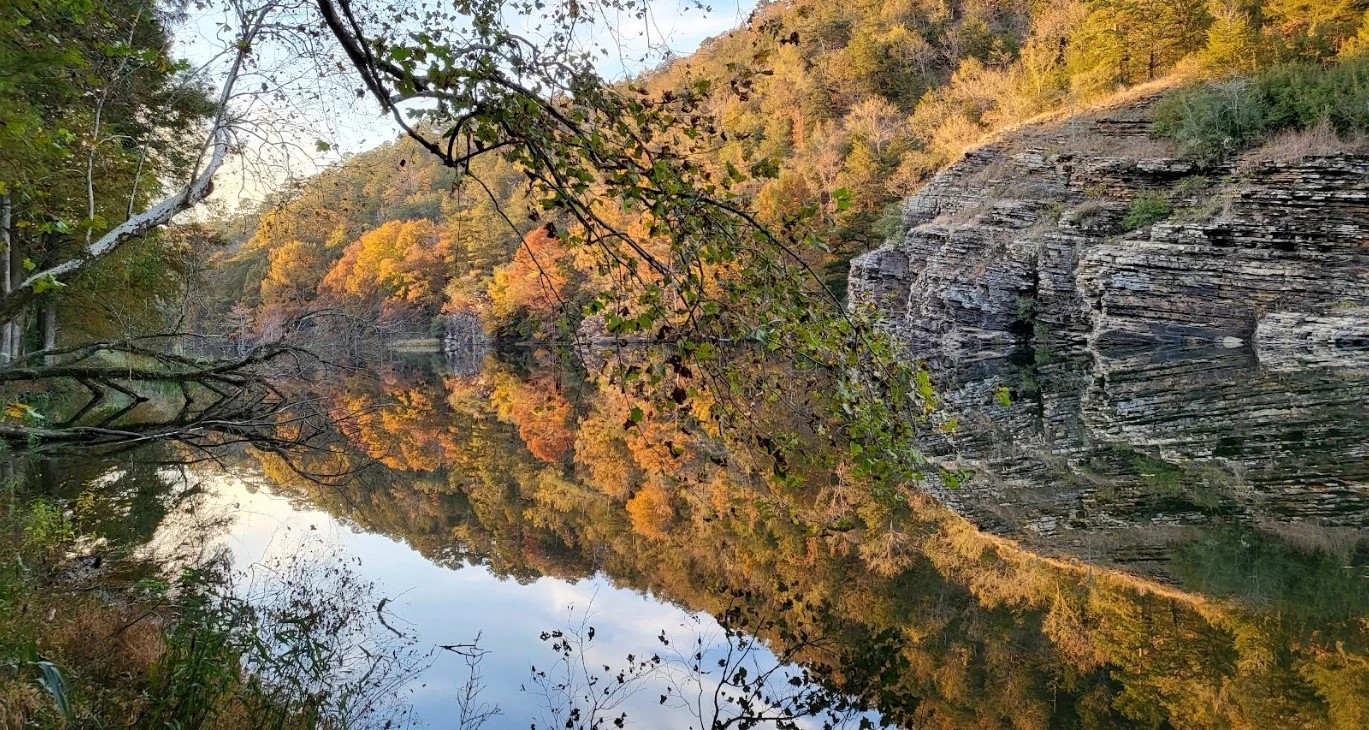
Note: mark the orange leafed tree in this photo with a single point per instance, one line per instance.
(533, 280)
(288, 283)
(400, 266)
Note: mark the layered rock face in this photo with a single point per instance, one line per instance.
(1289, 238)
(1027, 239)
(1185, 347)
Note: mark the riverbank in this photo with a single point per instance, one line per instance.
(99, 630)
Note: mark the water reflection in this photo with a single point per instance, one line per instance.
(492, 503)
(1126, 459)
(515, 626)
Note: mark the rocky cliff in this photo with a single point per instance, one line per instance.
(1088, 232)
(1185, 346)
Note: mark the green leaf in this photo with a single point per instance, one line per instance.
(322, 146)
(842, 197)
(765, 168)
(1002, 396)
(923, 381)
(46, 284)
(52, 680)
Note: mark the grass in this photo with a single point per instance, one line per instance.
(68, 657)
(1294, 145)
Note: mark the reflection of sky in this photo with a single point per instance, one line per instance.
(445, 606)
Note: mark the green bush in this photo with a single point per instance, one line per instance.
(46, 526)
(1213, 120)
(1144, 210)
(889, 225)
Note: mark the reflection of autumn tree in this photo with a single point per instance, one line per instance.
(413, 507)
(541, 412)
(281, 471)
(936, 623)
(650, 510)
(601, 453)
(410, 429)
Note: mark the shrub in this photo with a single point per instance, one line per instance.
(1213, 120)
(889, 225)
(1144, 210)
(45, 528)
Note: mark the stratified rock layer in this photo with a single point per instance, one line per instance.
(1198, 339)
(1026, 241)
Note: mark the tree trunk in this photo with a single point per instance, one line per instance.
(47, 326)
(6, 282)
(19, 327)
(18, 322)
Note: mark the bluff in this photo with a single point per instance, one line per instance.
(1186, 347)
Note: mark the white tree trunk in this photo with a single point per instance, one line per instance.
(217, 145)
(6, 283)
(47, 324)
(142, 223)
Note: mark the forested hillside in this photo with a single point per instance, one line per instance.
(823, 114)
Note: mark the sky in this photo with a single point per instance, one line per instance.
(284, 141)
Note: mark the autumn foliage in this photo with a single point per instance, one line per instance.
(534, 282)
(965, 629)
(395, 268)
(819, 116)
(543, 415)
(650, 511)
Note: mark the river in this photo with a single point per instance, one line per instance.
(1155, 542)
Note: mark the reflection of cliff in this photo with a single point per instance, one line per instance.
(1125, 459)
(936, 623)
(1296, 444)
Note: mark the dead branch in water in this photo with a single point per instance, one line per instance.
(221, 401)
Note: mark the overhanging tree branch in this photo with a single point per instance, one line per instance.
(219, 143)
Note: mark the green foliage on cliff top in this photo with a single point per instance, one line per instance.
(1213, 120)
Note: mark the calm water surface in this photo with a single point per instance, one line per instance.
(1187, 547)
(455, 604)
